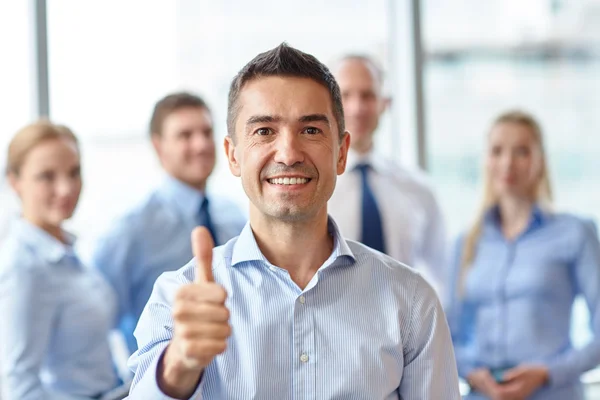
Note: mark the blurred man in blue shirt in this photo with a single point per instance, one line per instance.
(153, 237)
(290, 309)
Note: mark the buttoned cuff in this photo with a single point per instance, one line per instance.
(147, 388)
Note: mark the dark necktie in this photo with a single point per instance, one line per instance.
(205, 220)
(372, 229)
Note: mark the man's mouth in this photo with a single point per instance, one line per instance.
(288, 181)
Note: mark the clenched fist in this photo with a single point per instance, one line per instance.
(201, 325)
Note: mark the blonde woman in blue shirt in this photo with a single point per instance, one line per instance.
(516, 274)
(55, 313)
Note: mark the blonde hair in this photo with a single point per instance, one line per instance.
(542, 195)
(31, 136)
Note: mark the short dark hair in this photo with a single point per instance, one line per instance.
(171, 103)
(284, 61)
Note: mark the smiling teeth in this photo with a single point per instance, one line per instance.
(288, 181)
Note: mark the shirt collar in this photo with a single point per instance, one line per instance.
(44, 244)
(246, 249)
(183, 197)
(538, 217)
(370, 158)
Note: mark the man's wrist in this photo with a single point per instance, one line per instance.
(174, 378)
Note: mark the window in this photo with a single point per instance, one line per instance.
(486, 57)
(17, 90)
(543, 56)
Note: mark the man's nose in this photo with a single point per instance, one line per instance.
(289, 149)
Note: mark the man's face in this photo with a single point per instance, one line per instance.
(186, 146)
(362, 100)
(286, 148)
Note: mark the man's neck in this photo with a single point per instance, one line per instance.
(362, 149)
(199, 186)
(286, 243)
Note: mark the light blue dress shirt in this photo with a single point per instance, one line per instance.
(516, 304)
(55, 316)
(365, 327)
(153, 238)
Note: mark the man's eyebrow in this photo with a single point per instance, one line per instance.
(315, 118)
(261, 119)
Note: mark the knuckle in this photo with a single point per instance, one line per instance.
(221, 347)
(204, 309)
(204, 348)
(221, 293)
(179, 310)
(183, 292)
(226, 313)
(186, 332)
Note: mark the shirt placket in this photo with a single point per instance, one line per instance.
(304, 348)
(503, 317)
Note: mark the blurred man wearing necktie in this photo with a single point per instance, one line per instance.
(376, 201)
(153, 237)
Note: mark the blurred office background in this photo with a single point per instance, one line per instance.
(99, 66)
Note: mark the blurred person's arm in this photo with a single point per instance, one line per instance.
(435, 244)
(114, 256)
(28, 315)
(154, 333)
(460, 320)
(568, 366)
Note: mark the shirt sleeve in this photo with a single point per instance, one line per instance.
(433, 251)
(28, 311)
(153, 333)
(113, 257)
(586, 275)
(460, 317)
(429, 365)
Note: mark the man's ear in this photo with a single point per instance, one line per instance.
(385, 104)
(234, 165)
(13, 181)
(155, 139)
(343, 153)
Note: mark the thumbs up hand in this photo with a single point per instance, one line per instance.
(201, 325)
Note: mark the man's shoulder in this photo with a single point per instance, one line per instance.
(140, 215)
(396, 282)
(385, 265)
(415, 177)
(225, 208)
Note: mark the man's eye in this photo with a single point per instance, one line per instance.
(311, 130)
(263, 131)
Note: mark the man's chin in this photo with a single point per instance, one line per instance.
(195, 181)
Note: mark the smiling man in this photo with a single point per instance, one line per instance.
(290, 309)
(152, 237)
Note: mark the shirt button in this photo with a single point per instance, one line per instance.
(304, 357)
(302, 299)
(272, 268)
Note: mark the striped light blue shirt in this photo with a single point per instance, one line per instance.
(517, 300)
(154, 237)
(365, 327)
(55, 316)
